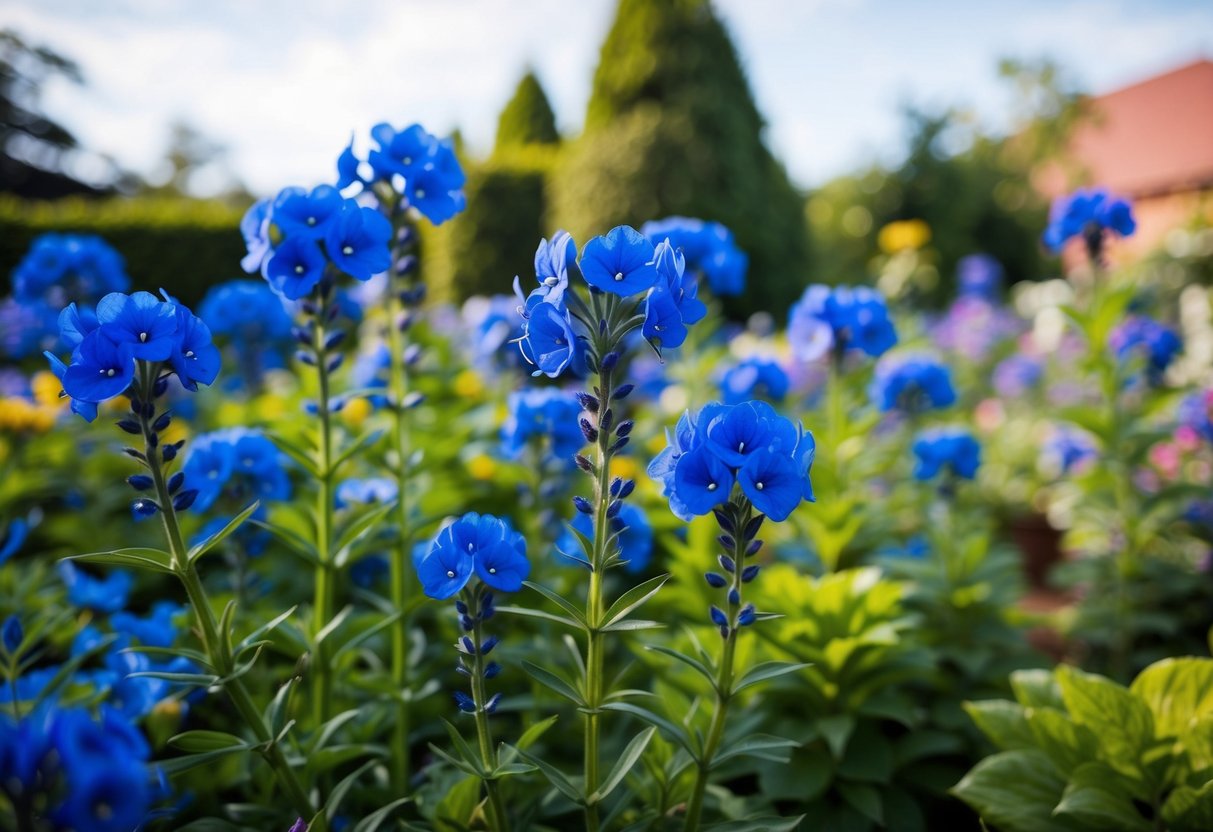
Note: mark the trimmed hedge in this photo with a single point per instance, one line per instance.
(184, 246)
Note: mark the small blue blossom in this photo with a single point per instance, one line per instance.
(619, 262)
(709, 249)
(108, 594)
(141, 321)
(13, 538)
(1195, 413)
(1087, 212)
(549, 342)
(157, 629)
(482, 544)
(254, 227)
(11, 634)
(912, 383)
(295, 267)
(299, 214)
(544, 414)
(100, 370)
(979, 275)
(1068, 448)
(951, 449)
(840, 318)
(635, 537)
(423, 167)
(357, 241)
(1142, 336)
(754, 377)
(367, 491)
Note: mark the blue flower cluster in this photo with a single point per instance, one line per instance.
(480, 544)
(748, 445)
(1088, 213)
(953, 450)
(838, 319)
(709, 249)
(421, 170)
(635, 537)
(1142, 336)
(239, 463)
(979, 275)
(754, 377)
(296, 237)
(81, 772)
(253, 320)
(542, 415)
(911, 383)
(623, 263)
(106, 345)
(492, 323)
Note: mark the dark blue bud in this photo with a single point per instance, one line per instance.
(405, 320)
(727, 564)
(619, 444)
(461, 608)
(610, 360)
(335, 362)
(724, 520)
(465, 702)
(752, 527)
(133, 453)
(613, 509)
(606, 420)
(334, 310)
(583, 505)
(302, 335)
(468, 645)
(170, 451)
(405, 265)
(136, 405)
(334, 339)
(464, 670)
(160, 386)
(148, 409)
(140, 482)
(602, 324)
(412, 354)
(623, 391)
(163, 422)
(727, 542)
(584, 463)
(718, 616)
(152, 439)
(753, 548)
(488, 645)
(628, 487)
(491, 705)
(734, 596)
(616, 485)
(625, 428)
(143, 507)
(466, 622)
(185, 499)
(308, 307)
(11, 634)
(715, 579)
(587, 402)
(724, 632)
(488, 606)
(492, 671)
(175, 482)
(405, 236)
(749, 573)
(306, 357)
(588, 430)
(747, 616)
(130, 426)
(413, 400)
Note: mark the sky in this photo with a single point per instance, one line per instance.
(283, 84)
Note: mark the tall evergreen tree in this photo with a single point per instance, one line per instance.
(527, 117)
(672, 128)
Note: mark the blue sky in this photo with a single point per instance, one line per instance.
(284, 83)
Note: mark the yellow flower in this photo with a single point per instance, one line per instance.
(46, 389)
(625, 466)
(482, 467)
(902, 235)
(356, 412)
(19, 415)
(469, 385)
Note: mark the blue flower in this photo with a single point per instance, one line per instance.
(1087, 212)
(86, 410)
(100, 370)
(1139, 335)
(979, 275)
(61, 268)
(1016, 375)
(11, 634)
(156, 630)
(951, 449)
(621, 262)
(402, 153)
(733, 432)
(701, 481)
(1195, 413)
(435, 194)
(1068, 448)
(255, 228)
(542, 414)
(368, 491)
(247, 311)
(635, 537)
(140, 320)
(708, 247)
(552, 261)
(549, 342)
(662, 321)
(13, 538)
(75, 323)
(672, 304)
(856, 318)
(194, 357)
(753, 377)
(773, 482)
(485, 545)
(298, 214)
(347, 167)
(108, 594)
(912, 383)
(357, 241)
(295, 267)
(433, 178)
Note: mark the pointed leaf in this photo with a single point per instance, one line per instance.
(671, 731)
(556, 778)
(197, 742)
(697, 665)
(624, 764)
(301, 456)
(559, 600)
(150, 560)
(632, 599)
(554, 683)
(218, 537)
(764, 671)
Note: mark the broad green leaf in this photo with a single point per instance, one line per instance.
(532, 734)
(863, 799)
(376, 819)
(560, 601)
(294, 543)
(623, 765)
(332, 805)
(456, 762)
(179, 764)
(464, 750)
(295, 452)
(766, 670)
(836, 730)
(554, 683)
(218, 537)
(631, 600)
(1036, 689)
(1003, 722)
(454, 812)
(151, 560)
(197, 742)
(697, 665)
(1096, 799)
(669, 729)
(1068, 743)
(1177, 692)
(1189, 810)
(202, 680)
(1120, 721)
(630, 625)
(1015, 791)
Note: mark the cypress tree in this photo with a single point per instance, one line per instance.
(672, 128)
(527, 117)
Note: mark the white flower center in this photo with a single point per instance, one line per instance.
(189, 353)
(492, 570)
(347, 250)
(471, 547)
(450, 574)
(420, 193)
(550, 281)
(143, 336)
(299, 270)
(758, 485)
(618, 276)
(408, 160)
(311, 220)
(711, 486)
(740, 447)
(110, 372)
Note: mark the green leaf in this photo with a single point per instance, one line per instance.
(697, 665)
(1177, 691)
(531, 735)
(202, 680)
(179, 764)
(293, 542)
(554, 683)
(456, 762)
(333, 804)
(560, 601)
(1189, 810)
(623, 765)
(556, 778)
(1036, 689)
(1015, 791)
(527, 612)
(464, 750)
(764, 671)
(151, 560)
(295, 452)
(1068, 743)
(269, 626)
(863, 799)
(671, 731)
(321, 738)
(454, 812)
(757, 825)
(375, 819)
(364, 441)
(68, 669)
(762, 746)
(197, 742)
(218, 537)
(1005, 723)
(631, 600)
(631, 624)
(1096, 799)
(1120, 721)
(358, 529)
(836, 730)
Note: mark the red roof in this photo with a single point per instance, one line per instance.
(1154, 137)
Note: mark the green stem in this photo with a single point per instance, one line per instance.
(498, 819)
(724, 676)
(322, 605)
(214, 643)
(399, 574)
